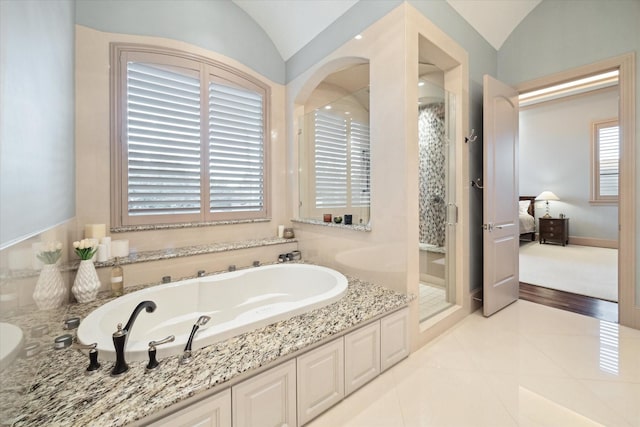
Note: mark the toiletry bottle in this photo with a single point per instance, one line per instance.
(117, 279)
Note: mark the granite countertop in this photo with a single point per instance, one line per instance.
(52, 388)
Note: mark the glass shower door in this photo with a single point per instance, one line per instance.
(438, 213)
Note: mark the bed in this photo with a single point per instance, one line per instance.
(527, 216)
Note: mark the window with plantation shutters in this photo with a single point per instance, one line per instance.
(236, 149)
(342, 161)
(189, 140)
(605, 162)
(163, 141)
(330, 160)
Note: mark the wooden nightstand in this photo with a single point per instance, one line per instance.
(554, 230)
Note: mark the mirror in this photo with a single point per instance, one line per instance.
(334, 150)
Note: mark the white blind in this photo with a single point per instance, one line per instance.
(608, 159)
(163, 141)
(360, 164)
(330, 160)
(236, 149)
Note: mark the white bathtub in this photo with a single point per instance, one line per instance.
(237, 302)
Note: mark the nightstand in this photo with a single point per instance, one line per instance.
(554, 230)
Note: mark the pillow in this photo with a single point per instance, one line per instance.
(524, 206)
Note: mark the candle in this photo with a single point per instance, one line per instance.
(280, 231)
(102, 253)
(95, 231)
(119, 248)
(106, 241)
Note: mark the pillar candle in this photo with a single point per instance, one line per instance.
(106, 241)
(102, 253)
(95, 231)
(280, 231)
(119, 248)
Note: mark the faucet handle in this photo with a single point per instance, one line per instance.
(94, 365)
(120, 332)
(153, 362)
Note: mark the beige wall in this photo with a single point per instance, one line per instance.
(93, 182)
(388, 254)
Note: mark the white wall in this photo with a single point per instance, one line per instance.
(555, 140)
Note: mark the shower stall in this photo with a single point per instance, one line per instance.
(437, 211)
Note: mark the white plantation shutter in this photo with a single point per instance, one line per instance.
(342, 162)
(330, 160)
(236, 149)
(605, 161)
(163, 141)
(360, 164)
(190, 139)
(609, 159)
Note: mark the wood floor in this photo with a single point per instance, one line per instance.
(600, 309)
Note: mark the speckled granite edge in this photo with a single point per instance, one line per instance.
(352, 227)
(164, 254)
(55, 390)
(150, 227)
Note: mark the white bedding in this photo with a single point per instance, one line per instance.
(527, 223)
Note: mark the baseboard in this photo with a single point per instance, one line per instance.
(592, 241)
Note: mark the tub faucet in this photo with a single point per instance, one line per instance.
(121, 336)
(186, 356)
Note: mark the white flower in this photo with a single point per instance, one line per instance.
(76, 245)
(58, 246)
(82, 244)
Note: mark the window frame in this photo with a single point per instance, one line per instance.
(208, 70)
(595, 196)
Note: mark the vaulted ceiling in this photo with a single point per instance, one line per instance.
(291, 24)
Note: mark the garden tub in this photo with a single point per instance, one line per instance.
(237, 302)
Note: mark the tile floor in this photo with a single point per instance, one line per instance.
(527, 365)
(432, 300)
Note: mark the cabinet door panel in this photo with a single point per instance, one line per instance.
(362, 356)
(320, 380)
(266, 400)
(214, 411)
(394, 338)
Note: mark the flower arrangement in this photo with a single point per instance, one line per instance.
(50, 253)
(85, 248)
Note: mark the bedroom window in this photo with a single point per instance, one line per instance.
(189, 139)
(605, 160)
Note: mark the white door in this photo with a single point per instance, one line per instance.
(500, 196)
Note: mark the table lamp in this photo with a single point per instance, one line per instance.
(546, 196)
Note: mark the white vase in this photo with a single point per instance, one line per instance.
(50, 291)
(86, 286)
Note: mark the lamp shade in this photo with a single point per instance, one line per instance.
(547, 195)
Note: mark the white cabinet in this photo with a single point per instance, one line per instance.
(362, 356)
(320, 380)
(214, 411)
(394, 338)
(266, 400)
(295, 392)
